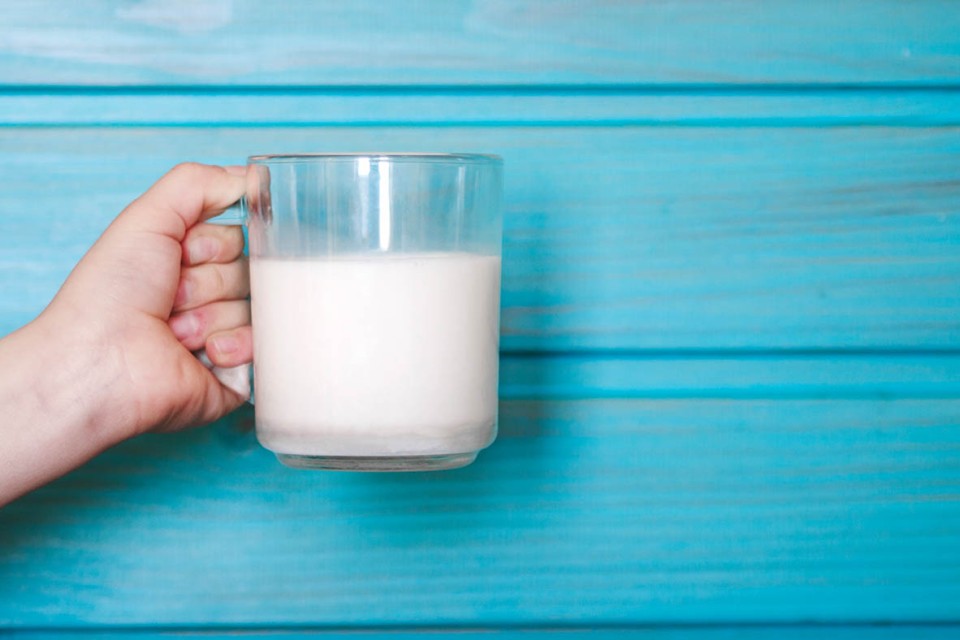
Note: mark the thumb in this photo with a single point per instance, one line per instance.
(189, 193)
(138, 258)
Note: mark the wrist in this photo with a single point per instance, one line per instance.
(79, 378)
(56, 414)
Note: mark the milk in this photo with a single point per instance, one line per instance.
(382, 355)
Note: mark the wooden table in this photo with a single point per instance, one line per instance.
(731, 319)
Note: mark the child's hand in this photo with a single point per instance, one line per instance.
(158, 285)
(111, 356)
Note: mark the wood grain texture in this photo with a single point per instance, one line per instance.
(693, 632)
(731, 323)
(734, 375)
(417, 42)
(616, 237)
(519, 106)
(584, 512)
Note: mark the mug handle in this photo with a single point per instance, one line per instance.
(240, 378)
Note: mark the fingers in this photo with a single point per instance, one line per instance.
(212, 243)
(210, 282)
(215, 270)
(231, 348)
(189, 193)
(194, 327)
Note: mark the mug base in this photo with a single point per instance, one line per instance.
(378, 463)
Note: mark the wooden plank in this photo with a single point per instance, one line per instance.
(616, 512)
(616, 237)
(519, 106)
(445, 42)
(695, 632)
(730, 375)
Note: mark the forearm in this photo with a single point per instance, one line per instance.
(55, 409)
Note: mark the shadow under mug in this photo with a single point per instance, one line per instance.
(375, 299)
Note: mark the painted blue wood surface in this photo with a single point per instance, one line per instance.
(695, 632)
(584, 512)
(416, 42)
(616, 237)
(730, 383)
(719, 106)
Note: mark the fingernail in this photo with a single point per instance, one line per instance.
(184, 326)
(236, 169)
(226, 344)
(201, 250)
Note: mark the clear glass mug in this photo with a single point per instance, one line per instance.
(375, 299)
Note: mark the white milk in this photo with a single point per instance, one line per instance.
(390, 355)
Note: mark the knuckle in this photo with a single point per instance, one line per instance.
(186, 169)
(219, 280)
(186, 172)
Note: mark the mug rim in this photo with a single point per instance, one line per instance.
(406, 156)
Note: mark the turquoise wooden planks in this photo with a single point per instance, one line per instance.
(732, 375)
(517, 106)
(694, 632)
(616, 237)
(615, 512)
(730, 384)
(531, 42)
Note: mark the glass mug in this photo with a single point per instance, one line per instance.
(375, 301)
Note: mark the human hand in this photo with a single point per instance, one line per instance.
(158, 285)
